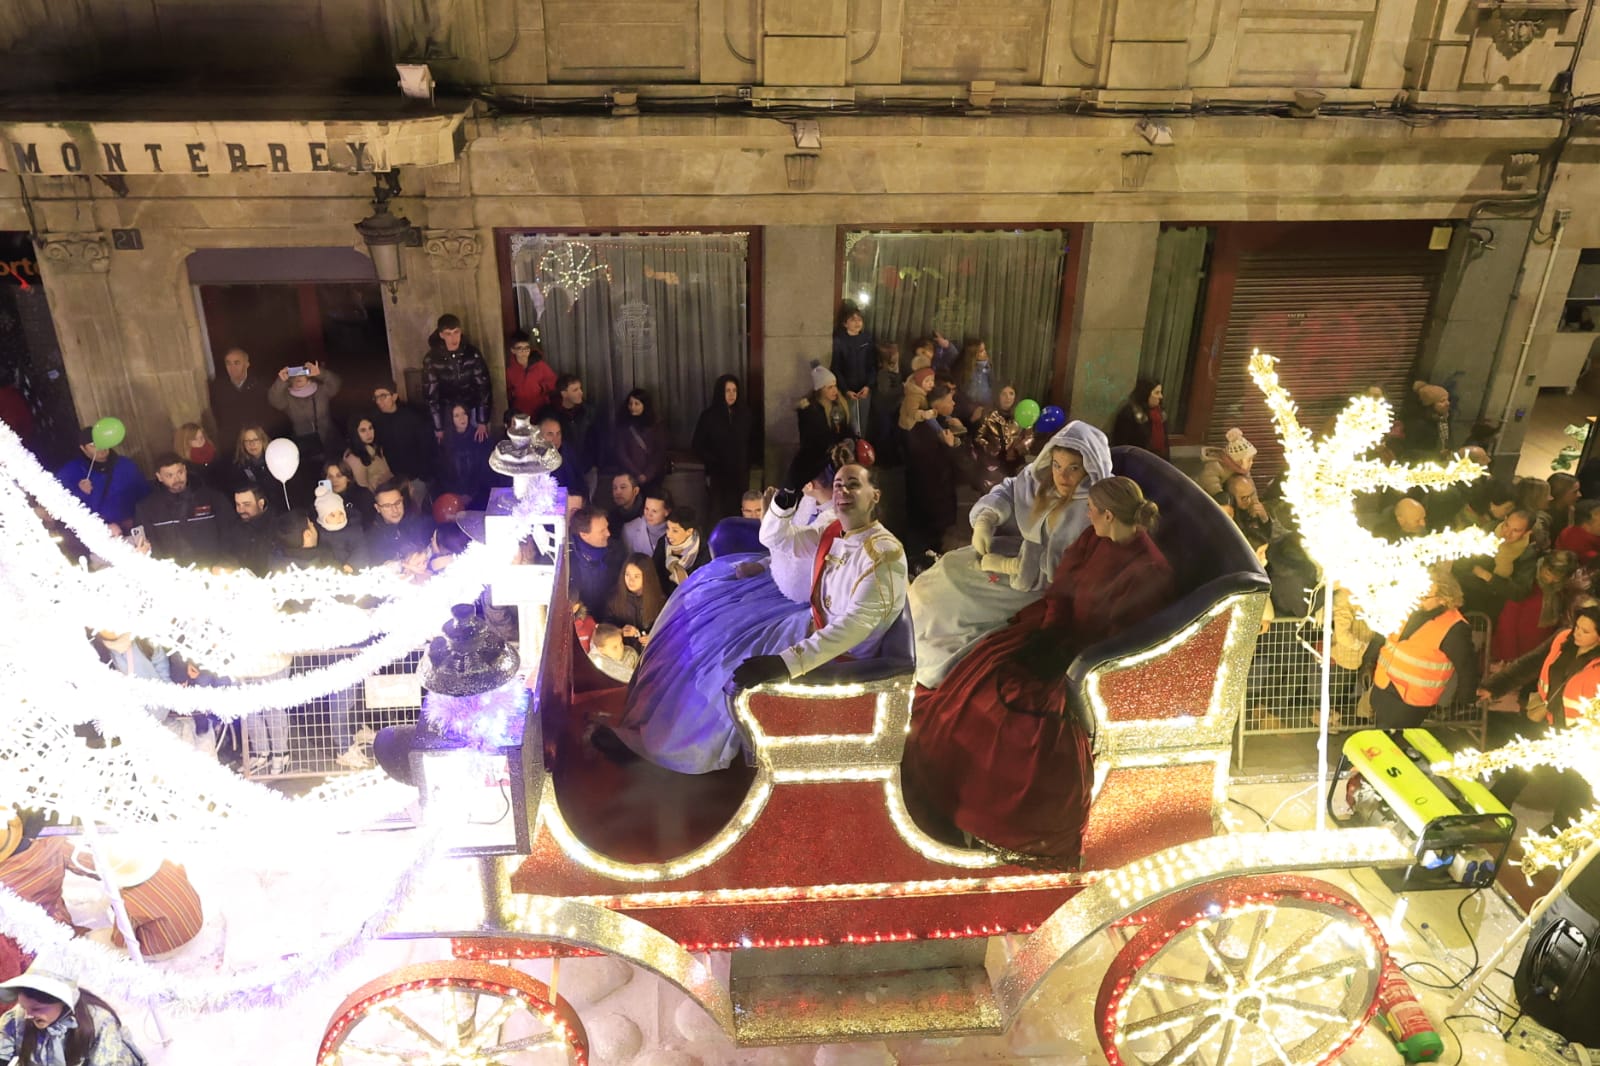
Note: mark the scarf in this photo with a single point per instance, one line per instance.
(1506, 556)
(1158, 432)
(681, 557)
(203, 455)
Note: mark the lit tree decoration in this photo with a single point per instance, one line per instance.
(1385, 578)
(570, 267)
(1575, 748)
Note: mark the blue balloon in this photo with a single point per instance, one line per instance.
(1051, 419)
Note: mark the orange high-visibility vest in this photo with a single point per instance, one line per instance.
(1581, 686)
(1416, 667)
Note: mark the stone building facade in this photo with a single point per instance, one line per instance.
(798, 120)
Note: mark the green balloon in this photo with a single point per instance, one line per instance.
(108, 432)
(1027, 413)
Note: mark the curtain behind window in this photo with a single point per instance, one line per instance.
(664, 312)
(1002, 287)
(1173, 314)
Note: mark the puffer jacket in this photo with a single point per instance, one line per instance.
(449, 378)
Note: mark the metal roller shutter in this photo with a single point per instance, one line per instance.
(1338, 324)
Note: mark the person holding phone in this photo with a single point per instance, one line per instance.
(304, 393)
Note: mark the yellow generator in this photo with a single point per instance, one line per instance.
(1458, 830)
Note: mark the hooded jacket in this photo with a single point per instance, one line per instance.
(1013, 503)
(449, 378)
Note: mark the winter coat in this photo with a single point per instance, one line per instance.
(407, 440)
(248, 545)
(184, 526)
(464, 467)
(725, 438)
(233, 407)
(116, 486)
(449, 378)
(577, 432)
(387, 543)
(345, 546)
(640, 448)
(855, 360)
(818, 435)
(594, 573)
(309, 415)
(529, 388)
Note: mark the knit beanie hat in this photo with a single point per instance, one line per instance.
(1238, 448)
(821, 378)
(921, 362)
(922, 379)
(326, 503)
(1429, 394)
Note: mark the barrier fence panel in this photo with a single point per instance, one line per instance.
(1284, 691)
(335, 726)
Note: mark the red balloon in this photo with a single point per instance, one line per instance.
(447, 506)
(866, 455)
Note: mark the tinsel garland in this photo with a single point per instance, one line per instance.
(113, 974)
(156, 599)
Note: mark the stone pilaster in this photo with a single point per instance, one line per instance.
(1118, 261)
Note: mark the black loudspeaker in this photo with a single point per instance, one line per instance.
(1558, 980)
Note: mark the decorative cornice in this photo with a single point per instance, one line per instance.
(76, 253)
(452, 249)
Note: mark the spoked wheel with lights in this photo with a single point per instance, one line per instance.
(1245, 971)
(444, 1013)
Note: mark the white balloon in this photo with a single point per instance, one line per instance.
(283, 458)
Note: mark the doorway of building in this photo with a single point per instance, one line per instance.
(30, 356)
(291, 306)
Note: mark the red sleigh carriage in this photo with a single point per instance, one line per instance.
(797, 900)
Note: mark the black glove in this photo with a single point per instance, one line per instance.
(786, 499)
(760, 669)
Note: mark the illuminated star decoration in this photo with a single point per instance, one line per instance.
(1574, 748)
(1386, 579)
(569, 267)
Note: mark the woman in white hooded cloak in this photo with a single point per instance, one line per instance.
(1019, 531)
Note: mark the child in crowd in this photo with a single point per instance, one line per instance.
(611, 655)
(342, 539)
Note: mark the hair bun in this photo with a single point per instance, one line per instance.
(1149, 513)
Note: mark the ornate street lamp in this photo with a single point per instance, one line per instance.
(385, 234)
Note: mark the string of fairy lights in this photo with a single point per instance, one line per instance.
(148, 788)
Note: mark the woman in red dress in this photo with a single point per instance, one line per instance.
(994, 748)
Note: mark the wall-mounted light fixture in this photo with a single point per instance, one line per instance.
(385, 234)
(1157, 133)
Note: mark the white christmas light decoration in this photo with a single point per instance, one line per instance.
(1386, 579)
(1575, 748)
(243, 620)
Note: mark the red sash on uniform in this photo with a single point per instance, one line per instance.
(829, 535)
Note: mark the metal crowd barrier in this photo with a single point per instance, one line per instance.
(321, 730)
(1284, 693)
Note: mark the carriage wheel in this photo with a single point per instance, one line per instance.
(1245, 971)
(455, 1011)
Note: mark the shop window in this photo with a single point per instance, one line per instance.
(1003, 287)
(1172, 317)
(1583, 296)
(666, 312)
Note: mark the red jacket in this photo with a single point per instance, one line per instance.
(1585, 545)
(1517, 630)
(529, 388)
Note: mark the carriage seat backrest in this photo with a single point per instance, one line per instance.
(736, 536)
(1211, 561)
(1197, 537)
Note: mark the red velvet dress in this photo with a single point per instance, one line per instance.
(993, 747)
